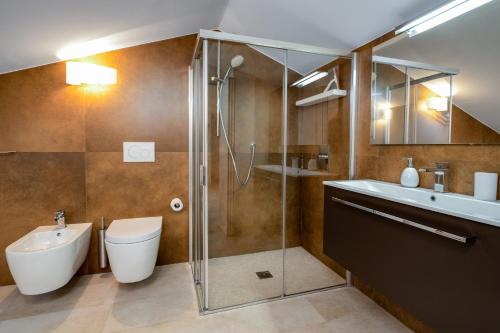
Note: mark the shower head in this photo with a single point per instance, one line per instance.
(237, 61)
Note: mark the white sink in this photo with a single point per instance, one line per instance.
(463, 206)
(47, 258)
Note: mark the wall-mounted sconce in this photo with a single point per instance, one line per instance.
(78, 73)
(438, 103)
(384, 114)
(388, 113)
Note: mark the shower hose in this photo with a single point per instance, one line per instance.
(224, 132)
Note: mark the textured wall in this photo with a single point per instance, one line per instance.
(69, 143)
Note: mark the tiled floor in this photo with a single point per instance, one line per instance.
(166, 303)
(232, 280)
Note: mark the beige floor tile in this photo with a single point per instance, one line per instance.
(357, 322)
(340, 302)
(68, 297)
(86, 320)
(276, 316)
(364, 322)
(177, 304)
(167, 303)
(165, 279)
(232, 280)
(206, 324)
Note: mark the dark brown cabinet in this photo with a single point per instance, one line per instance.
(449, 285)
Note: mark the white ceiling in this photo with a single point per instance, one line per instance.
(471, 44)
(32, 31)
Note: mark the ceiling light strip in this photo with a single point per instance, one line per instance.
(440, 15)
(315, 76)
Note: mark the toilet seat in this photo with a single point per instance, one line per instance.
(136, 230)
(132, 247)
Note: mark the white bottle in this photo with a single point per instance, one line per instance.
(409, 176)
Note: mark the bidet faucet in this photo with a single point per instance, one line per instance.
(440, 176)
(60, 219)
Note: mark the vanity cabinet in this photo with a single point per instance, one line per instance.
(449, 285)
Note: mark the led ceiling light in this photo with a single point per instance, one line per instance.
(78, 73)
(315, 76)
(440, 15)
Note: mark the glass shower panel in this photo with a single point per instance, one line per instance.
(389, 104)
(317, 142)
(197, 240)
(245, 257)
(429, 106)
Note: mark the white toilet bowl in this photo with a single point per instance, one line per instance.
(132, 247)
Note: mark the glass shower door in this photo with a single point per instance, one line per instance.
(309, 136)
(257, 225)
(245, 236)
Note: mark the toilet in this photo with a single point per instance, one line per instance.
(132, 247)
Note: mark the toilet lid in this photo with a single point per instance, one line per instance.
(133, 230)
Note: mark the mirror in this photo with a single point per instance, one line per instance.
(440, 86)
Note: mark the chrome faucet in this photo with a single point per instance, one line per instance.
(440, 176)
(60, 219)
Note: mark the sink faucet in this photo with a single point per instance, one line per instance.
(440, 176)
(60, 219)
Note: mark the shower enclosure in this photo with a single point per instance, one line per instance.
(248, 139)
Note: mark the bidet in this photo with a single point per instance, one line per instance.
(47, 258)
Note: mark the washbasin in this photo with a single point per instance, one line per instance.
(459, 205)
(46, 258)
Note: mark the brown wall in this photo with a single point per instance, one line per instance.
(69, 146)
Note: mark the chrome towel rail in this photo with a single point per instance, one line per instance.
(8, 152)
(458, 238)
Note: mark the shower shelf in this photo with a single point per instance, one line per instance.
(323, 97)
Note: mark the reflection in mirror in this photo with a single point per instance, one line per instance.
(410, 102)
(440, 85)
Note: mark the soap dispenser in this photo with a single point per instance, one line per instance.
(409, 176)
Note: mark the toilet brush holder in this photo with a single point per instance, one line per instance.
(103, 258)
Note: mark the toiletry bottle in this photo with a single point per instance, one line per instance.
(409, 176)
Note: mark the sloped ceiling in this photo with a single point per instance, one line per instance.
(32, 31)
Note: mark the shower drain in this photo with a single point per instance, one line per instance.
(264, 275)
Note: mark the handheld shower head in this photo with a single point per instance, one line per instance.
(237, 61)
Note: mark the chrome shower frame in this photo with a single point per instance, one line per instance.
(200, 176)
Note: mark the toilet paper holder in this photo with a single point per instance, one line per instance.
(176, 204)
